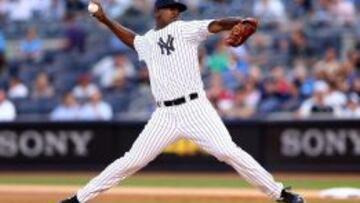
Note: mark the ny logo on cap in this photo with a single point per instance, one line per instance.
(167, 46)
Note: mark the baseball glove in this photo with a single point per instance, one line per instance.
(242, 31)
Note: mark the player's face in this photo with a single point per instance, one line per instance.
(164, 16)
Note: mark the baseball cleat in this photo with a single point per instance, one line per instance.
(290, 197)
(70, 200)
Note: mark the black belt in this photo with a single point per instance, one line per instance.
(178, 101)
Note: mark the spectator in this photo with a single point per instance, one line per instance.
(73, 6)
(303, 80)
(300, 8)
(221, 60)
(143, 6)
(193, 5)
(330, 64)
(355, 87)
(20, 10)
(56, 10)
(255, 74)
(42, 88)
(2, 52)
(143, 104)
(241, 56)
(336, 98)
(117, 45)
(271, 12)
(3, 8)
(221, 97)
(69, 109)
(143, 76)
(225, 61)
(240, 67)
(353, 57)
(17, 89)
(348, 71)
(7, 109)
(321, 16)
(50, 10)
(75, 34)
(260, 49)
(270, 99)
(318, 103)
(299, 47)
(295, 99)
(344, 12)
(32, 46)
(96, 109)
(276, 91)
(114, 70)
(84, 88)
(351, 109)
(116, 8)
(281, 48)
(2, 43)
(253, 95)
(241, 108)
(202, 60)
(307, 5)
(40, 7)
(282, 84)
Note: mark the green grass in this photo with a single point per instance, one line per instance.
(43, 180)
(210, 181)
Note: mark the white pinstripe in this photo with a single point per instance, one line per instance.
(150, 143)
(196, 120)
(173, 76)
(178, 74)
(203, 126)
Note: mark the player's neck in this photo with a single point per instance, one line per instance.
(162, 26)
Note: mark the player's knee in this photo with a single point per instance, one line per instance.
(224, 155)
(134, 166)
(130, 162)
(229, 153)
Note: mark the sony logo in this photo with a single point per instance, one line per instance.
(32, 143)
(316, 142)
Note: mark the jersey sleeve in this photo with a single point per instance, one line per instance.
(196, 31)
(140, 45)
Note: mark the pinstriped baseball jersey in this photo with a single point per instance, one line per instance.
(171, 55)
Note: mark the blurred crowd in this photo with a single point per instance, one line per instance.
(58, 63)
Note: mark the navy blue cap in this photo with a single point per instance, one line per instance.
(170, 3)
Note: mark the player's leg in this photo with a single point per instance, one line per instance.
(205, 128)
(158, 133)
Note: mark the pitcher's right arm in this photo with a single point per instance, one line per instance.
(126, 35)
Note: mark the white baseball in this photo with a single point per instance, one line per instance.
(93, 8)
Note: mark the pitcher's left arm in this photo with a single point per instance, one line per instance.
(241, 29)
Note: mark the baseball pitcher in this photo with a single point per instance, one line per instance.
(170, 51)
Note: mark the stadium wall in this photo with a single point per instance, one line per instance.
(278, 145)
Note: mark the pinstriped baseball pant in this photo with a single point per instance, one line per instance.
(197, 121)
